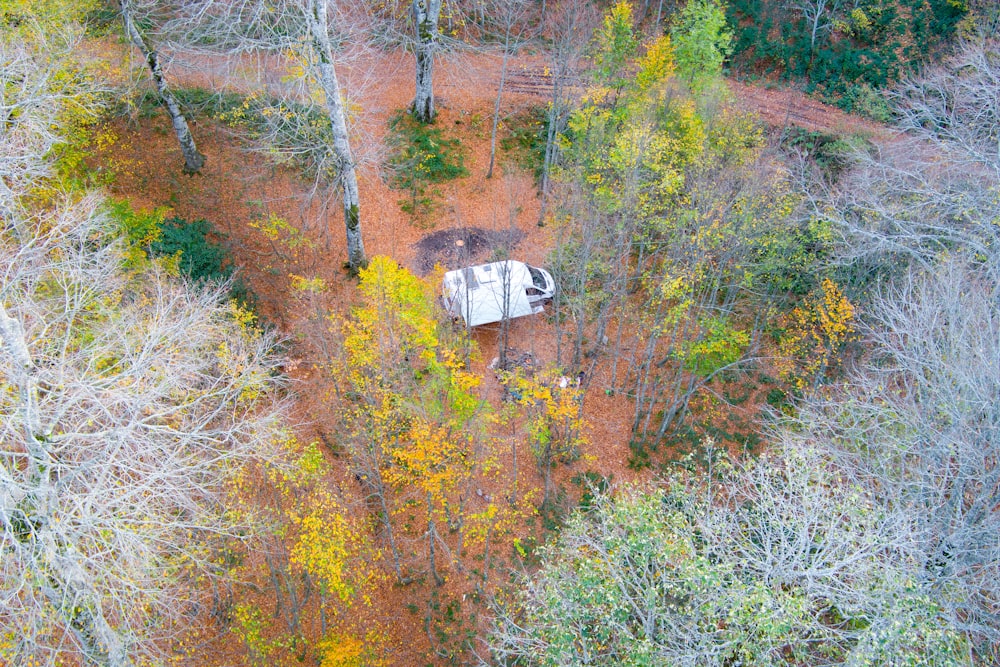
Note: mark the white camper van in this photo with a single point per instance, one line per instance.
(490, 292)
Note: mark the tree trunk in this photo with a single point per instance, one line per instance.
(551, 143)
(659, 15)
(431, 537)
(496, 105)
(425, 17)
(193, 160)
(346, 172)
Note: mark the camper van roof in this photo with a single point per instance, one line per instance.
(478, 291)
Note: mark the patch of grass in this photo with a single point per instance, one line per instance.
(450, 627)
(421, 156)
(524, 142)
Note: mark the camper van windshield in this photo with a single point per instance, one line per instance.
(537, 277)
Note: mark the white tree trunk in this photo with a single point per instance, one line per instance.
(346, 170)
(193, 160)
(425, 17)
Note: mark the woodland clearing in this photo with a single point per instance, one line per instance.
(239, 192)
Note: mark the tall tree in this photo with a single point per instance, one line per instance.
(44, 92)
(920, 420)
(665, 204)
(127, 410)
(415, 424)
(702, 41)
(919, 416)
(506, 22)
(569, 25)
(193, 159)
(426, 14)
(819, 17)
(301, 30)
(316, 17)
(932, 190)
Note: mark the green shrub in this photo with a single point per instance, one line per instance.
(199, 257)
(866, 101)
(148, 234)
(422, 155)
(140, 227)
(870, 45)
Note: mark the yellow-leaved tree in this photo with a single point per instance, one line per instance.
(815, 333)
(417, 428)
(316, 557)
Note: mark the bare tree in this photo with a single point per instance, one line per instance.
(932, 189)
(193, 160)
(919, 417)
(920, 421)
(570, 25)
(302, 28)
(35, 92)
(129, 402)
(318, 30)
(956, 106)
(819, 16)
(127, 413)
(509, 16)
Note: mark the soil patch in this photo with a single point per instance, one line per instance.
(782, 107)
(462, 246)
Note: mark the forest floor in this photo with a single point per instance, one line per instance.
(243, 193)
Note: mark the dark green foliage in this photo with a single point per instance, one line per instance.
(777, 399)
(864, 49)
(147, 232)
(554, 511)
(423, 152)
(201, 258)
(866, 101)
(422, 155)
